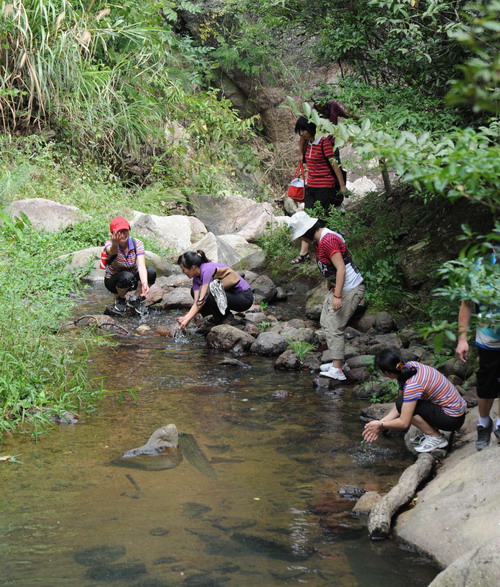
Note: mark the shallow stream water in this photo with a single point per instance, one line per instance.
(251, 500)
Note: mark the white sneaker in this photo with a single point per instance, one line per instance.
(430, 443)
(334, 373)
(327, 367)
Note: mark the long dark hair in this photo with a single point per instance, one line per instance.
(389, 361)
(304, 124)
(192, 258)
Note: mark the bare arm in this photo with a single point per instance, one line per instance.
(198, 303)
(464, 318)
(143, 274)
(392, 420)
(339, 265)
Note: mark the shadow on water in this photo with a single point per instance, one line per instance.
(249, 498)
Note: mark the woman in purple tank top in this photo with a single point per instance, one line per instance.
(196, 266)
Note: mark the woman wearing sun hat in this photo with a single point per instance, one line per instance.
(124, 261)
(345, 285)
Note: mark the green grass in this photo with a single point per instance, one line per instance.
(41, 370)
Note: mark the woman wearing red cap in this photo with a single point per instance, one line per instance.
(126, 267)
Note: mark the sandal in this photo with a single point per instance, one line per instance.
(300, 259)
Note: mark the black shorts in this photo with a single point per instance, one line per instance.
(488, 375)
(325, 196)
(434, 415)
(127, 280)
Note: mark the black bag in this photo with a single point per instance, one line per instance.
(337, 196)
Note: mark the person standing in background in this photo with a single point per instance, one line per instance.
(488, 375)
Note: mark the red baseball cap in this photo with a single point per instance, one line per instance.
(118, 223)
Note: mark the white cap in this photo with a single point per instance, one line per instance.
(300, 223)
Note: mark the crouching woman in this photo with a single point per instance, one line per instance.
(426, 399)
(206, 300)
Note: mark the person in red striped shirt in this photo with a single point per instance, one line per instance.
(324, 177)
(426, 399)
(345, 285)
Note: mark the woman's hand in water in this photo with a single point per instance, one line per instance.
(182, 322)
(372, 430)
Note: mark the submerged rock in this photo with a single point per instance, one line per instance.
(351, 492)
(193, 510)
(119, 572)
(272, 548)
(99, 555)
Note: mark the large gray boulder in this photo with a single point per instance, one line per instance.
(479, 567)
(262, 286)
(83, 258)
(216, 249)
(233, 215)
(46, 214)
(176, 232)
(460, 507)
(178, 299)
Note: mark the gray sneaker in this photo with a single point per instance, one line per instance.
(484, 436)
(120, 304)
(430, 443)
(496, 432)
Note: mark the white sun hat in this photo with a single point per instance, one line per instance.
(300, 223)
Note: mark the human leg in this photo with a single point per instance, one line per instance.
(430, 419)
(239, 301)
(488, 389)
(334, 323)
(119, 284)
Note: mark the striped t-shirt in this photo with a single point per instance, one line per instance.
(331, 242)
(430, 385)
(125, 261)
(319, 174)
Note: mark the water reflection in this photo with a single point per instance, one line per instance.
(269, 514)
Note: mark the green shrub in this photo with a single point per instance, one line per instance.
(41, 371)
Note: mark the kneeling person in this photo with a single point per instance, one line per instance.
(126, 267)
(426, 399)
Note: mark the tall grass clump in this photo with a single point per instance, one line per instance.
(41, 371)
(116, 84)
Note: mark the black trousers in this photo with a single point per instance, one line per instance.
(238, 301)
(127, 280)
(488, 375)
(325, 196)
(434, 415)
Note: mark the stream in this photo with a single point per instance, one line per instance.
(252, 501)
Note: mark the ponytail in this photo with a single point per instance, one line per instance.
(389, 361)
(192, 258)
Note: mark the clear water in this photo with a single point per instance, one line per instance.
(259, 506)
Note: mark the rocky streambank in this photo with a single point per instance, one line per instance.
(455, 517)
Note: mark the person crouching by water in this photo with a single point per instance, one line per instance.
(123, 258)
(426, 399)
(345, 285)
(196, 266)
